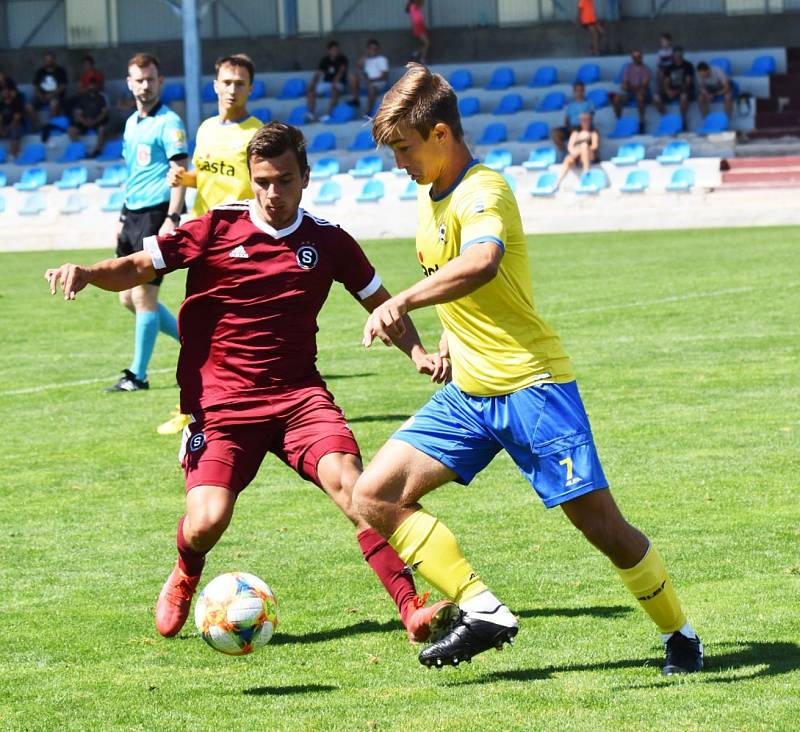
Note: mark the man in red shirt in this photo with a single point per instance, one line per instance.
(259, 272)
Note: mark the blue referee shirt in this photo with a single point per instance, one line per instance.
(149, 144)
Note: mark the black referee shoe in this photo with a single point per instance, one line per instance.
(128, 382)
(469, 637)
(684, 655)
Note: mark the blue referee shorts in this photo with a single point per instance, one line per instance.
(544, 429)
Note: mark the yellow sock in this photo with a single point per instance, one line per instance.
(651, 586)
(427, 546)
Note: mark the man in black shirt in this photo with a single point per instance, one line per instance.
(329, 78)
(12, 114)
(89, 112)
(49, 85)
(677, 82)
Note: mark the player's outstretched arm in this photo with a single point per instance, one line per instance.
(406, 338)
(115, 275)
(476, 266)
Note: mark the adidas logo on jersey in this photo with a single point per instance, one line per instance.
(239, 252)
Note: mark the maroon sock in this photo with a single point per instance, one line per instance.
(190, 561)
(391, 570)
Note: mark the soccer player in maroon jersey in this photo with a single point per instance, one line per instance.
(259, 272)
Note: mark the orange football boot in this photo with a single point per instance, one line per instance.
(174, 602)
(432, 622)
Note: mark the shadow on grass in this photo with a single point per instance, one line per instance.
(288, 690)
(348, 376)
(379, 418)
(370, 626)
(749, 660)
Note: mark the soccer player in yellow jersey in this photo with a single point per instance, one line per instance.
(220, 172)
(513, 388)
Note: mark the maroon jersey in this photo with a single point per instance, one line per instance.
(249, 321)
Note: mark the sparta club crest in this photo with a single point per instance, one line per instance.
(307, 256)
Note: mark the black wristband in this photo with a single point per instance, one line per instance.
(175, 218)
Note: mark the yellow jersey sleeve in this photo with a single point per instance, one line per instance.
(498, 343)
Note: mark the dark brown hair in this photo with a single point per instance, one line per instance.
(240, 60)
(420, 100)
(274, 139)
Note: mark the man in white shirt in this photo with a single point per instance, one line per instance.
(373, 73)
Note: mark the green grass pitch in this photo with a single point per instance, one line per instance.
(686, 347)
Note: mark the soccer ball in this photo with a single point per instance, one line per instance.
(236, 613)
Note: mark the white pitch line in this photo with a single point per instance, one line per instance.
(601, 308)
(659, 301)
(65, 384)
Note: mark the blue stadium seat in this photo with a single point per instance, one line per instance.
(714, 122)
(625, 127)
(669, 126)
(493, 134)
(552, 102)
(540, 158)
(32, 154)
(293, 89)
(502, 78)
(341, 113)
(544, 76)
(761, 66)
(34, 204)
(324, 168)
(534, 132)
(675, 153)
(509, 104)
(73, 177)
(636, 182)
(363, 141)
(629, 154)
(208, 94)
(511, 180)
(112, 150)
(58, 125)
(323, 142)
(73, 152)
(682, 180)
(3, 179)
(460, 80)
(545, 185)
(329, 193)
(588, 73)
(259, 89)
(621, 73)
(174, 92)
(598, 97)
(409, 193)
(263, 114)
(114, 202)
(498, 159)
(3, 155)
(76, 203)
(371, 192)
(592, 181)
(469, 106)
(366, 166)
(724, 63)
(113, 176)
(2, 203)
(297, 116)
(31, 179)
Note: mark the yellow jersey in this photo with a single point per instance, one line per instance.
(220, 161)
(498, 343)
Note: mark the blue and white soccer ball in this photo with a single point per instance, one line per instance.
(236, 613)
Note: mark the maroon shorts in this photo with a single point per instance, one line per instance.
(299, 426)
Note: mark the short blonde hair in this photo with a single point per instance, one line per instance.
(420, 100)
